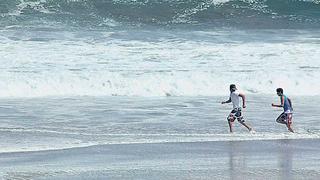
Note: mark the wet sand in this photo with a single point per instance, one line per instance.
(267, 159)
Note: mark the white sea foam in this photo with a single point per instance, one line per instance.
(35, 5)
(170, 67)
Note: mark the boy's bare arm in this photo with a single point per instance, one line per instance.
(281, 105)
(243, 100)
(228, 101)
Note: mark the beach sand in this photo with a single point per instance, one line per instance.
(266, 159)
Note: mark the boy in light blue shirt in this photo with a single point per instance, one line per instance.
(286, 116)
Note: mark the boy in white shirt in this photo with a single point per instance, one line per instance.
(236, 111)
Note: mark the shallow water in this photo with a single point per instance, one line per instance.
(58, 123)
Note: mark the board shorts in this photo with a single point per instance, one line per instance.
(235, 114)
(284, 118)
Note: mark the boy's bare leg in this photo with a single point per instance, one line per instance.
(230, 119)
(281, 119)
(245, 125)
(230, 125)
(289, 128)
(289, 122)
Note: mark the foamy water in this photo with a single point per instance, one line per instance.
(126, 64)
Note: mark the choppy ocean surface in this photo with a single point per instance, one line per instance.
(158, 47)
(77, 73)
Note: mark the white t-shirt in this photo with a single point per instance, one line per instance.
(235, 99)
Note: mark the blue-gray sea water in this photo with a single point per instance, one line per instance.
(78, 73)
(158, 47)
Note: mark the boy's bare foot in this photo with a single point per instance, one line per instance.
(252, 130)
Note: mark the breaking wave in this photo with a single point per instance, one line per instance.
(115, 13)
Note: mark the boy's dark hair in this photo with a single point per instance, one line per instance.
(232, 86)
(280, 90)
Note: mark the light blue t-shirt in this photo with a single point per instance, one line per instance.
(286, 105)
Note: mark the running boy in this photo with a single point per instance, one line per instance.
(286, 116)
(236, 112)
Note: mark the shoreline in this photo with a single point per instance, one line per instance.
(203, 160)
(183, 138)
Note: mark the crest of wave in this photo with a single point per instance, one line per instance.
(35, 5)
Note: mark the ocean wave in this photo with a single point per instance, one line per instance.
(154, 84)
(244, 13)
(164, 68)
